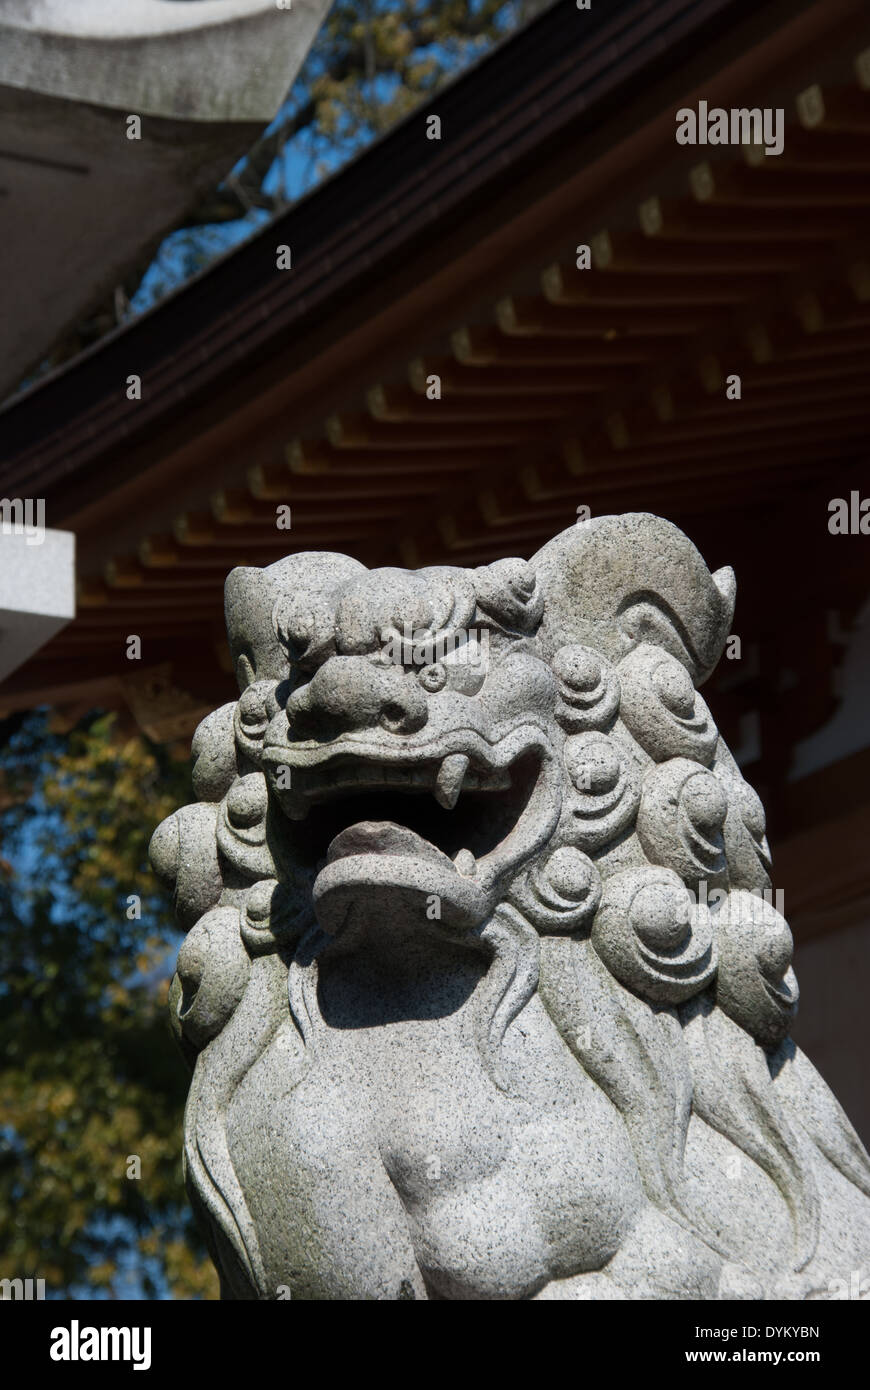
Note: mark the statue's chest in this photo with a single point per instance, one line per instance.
(506, 1186)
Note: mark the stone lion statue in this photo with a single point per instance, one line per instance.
(484, 991)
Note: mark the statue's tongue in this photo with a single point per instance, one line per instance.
(380, 875)
(383, 837)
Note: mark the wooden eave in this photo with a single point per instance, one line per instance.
(559, 387)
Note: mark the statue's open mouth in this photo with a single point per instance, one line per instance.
(452, 821)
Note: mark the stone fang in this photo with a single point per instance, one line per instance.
(448, 783)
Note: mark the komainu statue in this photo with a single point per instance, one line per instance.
(484, 991)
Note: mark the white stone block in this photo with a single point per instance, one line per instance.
(37, 592)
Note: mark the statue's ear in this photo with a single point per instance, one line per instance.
(508, 593)
(305, 627)
(255, 649)
(648, 617)
(306, 589)
(616, 581)
(262, 605)
(644, 618)
(244, 672)
(726, 582)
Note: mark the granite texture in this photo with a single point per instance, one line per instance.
(481, 991)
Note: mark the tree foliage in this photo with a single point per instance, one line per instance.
(373, 63)
(90, 1077)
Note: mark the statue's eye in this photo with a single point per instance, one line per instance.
(433, 678)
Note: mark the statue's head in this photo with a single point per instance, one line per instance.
(414, 749)
(409, 735)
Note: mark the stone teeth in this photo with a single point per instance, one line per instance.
(465, 863)
(448, 783)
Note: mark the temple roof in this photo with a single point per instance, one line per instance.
(560, 387)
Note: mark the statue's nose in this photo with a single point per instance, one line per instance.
(351, 692)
